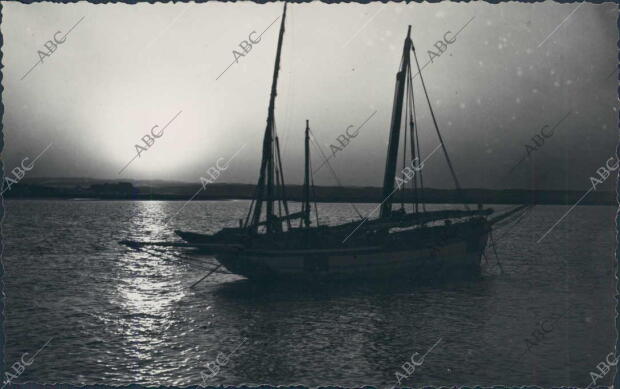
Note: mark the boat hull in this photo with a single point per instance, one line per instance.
(457, 258)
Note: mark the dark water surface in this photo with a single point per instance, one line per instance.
(119, 316)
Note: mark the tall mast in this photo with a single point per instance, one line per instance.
(397, 111)
(267, 163)
(306, 199)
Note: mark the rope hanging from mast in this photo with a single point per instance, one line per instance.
(415, 146)
(282, 185)
(326, 161)
(443, 146)
(403, 188)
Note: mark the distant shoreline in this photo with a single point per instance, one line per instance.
(290, 200)
(323, 194)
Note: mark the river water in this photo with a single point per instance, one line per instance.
(117, 316)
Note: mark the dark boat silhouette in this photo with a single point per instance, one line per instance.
(421, 243)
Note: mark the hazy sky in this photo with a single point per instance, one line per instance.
(126, 68)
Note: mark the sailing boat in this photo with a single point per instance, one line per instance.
(267, 244)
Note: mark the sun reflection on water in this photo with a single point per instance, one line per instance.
(151, 286)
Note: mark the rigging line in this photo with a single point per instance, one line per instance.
(290, 96)
(208, 274)
(316, 210)
(154, 251)
(325, 160)
(384, 200)
(260, 186)
(510, 228)
(271, 171)
(411, 107)
(252, 204)
(316, 144)
(180, 258)
(501, 269)
(514, 223)
(486, 260)
(202, 268)
(279, 190)
(254, 196)
(280, 194)
(176, 256)
(194, 260)
(421, 173)
(409, 125)
(283, 187)
(404, 187)
(245, 223)
(443, 146)
(257, 201)
(417, 141)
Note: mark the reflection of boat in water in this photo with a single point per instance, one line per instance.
(435, 244)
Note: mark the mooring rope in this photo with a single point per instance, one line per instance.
(196, 262)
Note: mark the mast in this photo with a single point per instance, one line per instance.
(306, 195)
(397, 110)
(265, 191)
